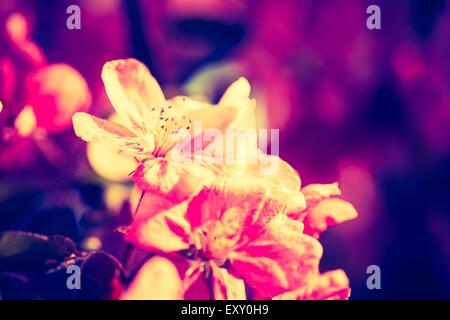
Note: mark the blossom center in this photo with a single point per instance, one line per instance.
(217, 239)
(169, 127)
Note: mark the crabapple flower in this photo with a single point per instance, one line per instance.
(153, 129)
(233, 235)
(323, 208)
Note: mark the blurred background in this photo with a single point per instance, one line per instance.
(367, 108)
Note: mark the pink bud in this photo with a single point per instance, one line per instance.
(55, 93)
(17, 27)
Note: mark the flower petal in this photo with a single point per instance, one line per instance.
(90, 128)
(328, 213)
(280, 259)
(238, 96)
(212, 204)
(204, 115)
(109, 163)
(331, 285)
(158, 279)
(226, 285)
(174, 180)
(195, 283)
(237, 93)
(313, 194)
(132, 90)
(279, 179)
(167, 231)
(319, 192)
(151, 204)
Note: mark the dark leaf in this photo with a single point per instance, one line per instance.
(101, 276)
(15, 287)
(53, 284)
(23, 251)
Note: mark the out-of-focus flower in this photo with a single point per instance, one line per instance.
(158, 279)
(153, 126)
(19, 56)
(323, 208)
(116, 194)
(331, 285)
(56, 92)
(92, 243)
(18, 42)
(25, 122)
(236, 234)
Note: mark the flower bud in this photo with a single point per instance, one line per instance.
(56, 92)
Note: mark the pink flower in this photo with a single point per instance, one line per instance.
(56, 92)
(229, 237)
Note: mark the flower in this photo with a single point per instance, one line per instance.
(231, 236)
(156, 131)
(56, 92)
(153, 126)
(323, 209)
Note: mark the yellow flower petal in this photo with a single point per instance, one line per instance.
(328, 213)
(108, 163)
(318, 192)
(132, 90)
(238, 96)
(203, 113)
(90, 128)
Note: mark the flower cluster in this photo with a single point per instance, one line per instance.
(217, 230)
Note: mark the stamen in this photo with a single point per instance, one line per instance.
(168, 129)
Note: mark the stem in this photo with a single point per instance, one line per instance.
(141, 197)
(130, 250)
